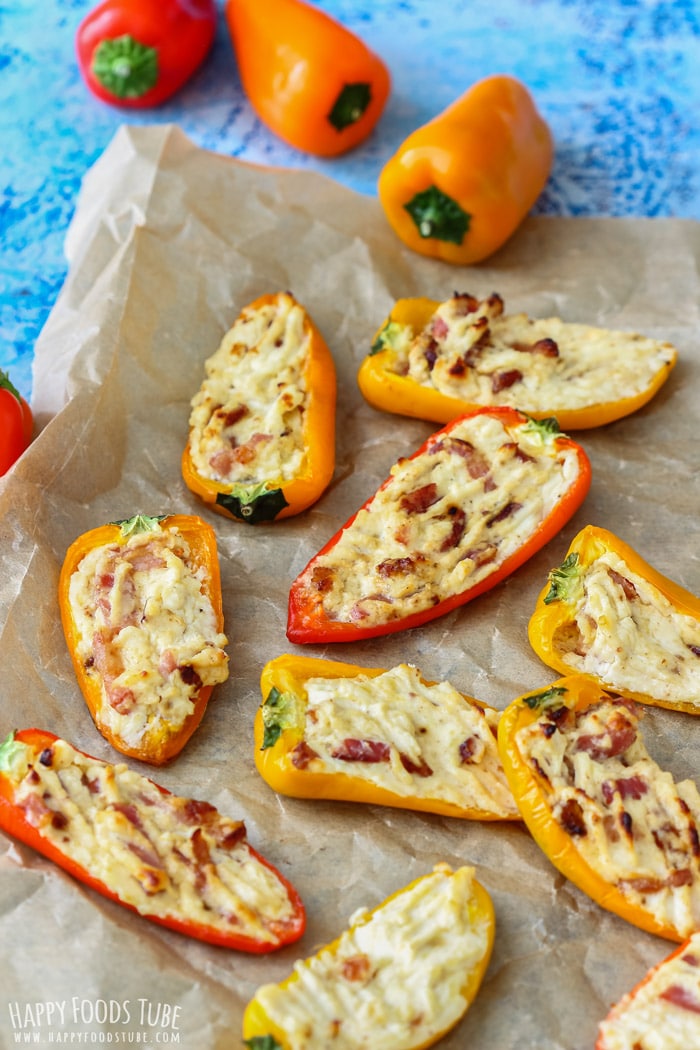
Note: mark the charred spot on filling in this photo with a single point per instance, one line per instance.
(431, 354)
(46, 756)
(571, 818)
(190, 676)
(322, 579)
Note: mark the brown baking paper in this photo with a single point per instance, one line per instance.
(168, 243)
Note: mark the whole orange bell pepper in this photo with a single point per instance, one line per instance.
(605, 815)
(384, 979)
(175, 861)
(259, 414)
(311, 80)
(606, 612)
(148, 707)
(347, 769)
(459, 186)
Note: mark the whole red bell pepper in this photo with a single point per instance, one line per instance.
(16, 423)
(137, 53)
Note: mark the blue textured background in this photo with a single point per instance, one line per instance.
(617, 80)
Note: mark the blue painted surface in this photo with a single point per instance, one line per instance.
(617, 80)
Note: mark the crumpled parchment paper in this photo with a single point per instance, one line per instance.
(168, 243)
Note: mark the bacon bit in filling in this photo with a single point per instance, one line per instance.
(546, 347)
(396, 566)
(302, 754)
(506, 379)
(357, 968)
(504, 512)
(418, 501)
(680, 996)
(471, 750)
(619, 735)
(629, 589)
(352, 750)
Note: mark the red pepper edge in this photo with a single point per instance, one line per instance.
(13, 821)
(304, 625)
(627, 1000)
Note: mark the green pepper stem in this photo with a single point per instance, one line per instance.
(125, 67)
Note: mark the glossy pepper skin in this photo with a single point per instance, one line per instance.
(137, 53)
(260, 1032)
(13, 820)
(283, 688)
(307, 621)
(576, 692)
(388, 390)
(554, 611)
(311, 80)
(16, 423)
(277, 498)
(157, 748)
(459, 186)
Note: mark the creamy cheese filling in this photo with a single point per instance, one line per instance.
(247, 419)
(629, 635)
(413, 739)
(164, 855)
(631, 823)
(446, 520)
(664, 1012)
(396, 977)
(471, 351)
(147, 632)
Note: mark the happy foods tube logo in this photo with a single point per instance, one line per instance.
(93, 1022)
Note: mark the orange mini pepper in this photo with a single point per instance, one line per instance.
(606, 612)
(91, 819)
(310, 79)
(460, 185)
(346, 770)
(146, 691)
(605, 815)
(357, 984)
(251, 406)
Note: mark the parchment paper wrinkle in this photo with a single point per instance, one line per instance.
(168, 243)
